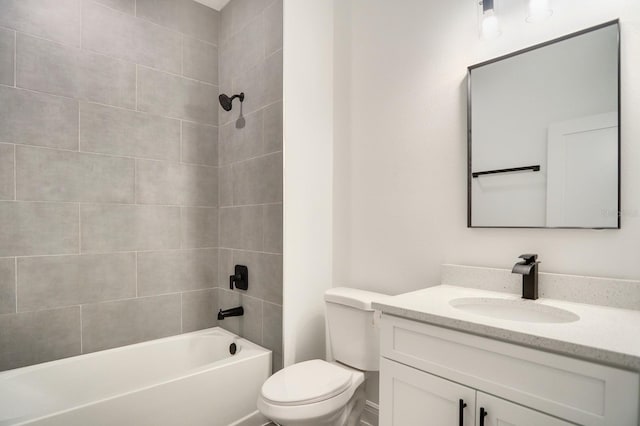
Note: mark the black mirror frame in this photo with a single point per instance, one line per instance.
(615, 22)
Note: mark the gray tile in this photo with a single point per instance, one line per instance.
(244, 143)
(128, 6)
(125, 228)
(37, 119)
(249, 325)
(44, 174)
(56, 281)
(113, 33)
(57, 20)
(159, 182)
(33, 337)
(61, 70)
(243, 50)
(237, 14)
(273, 228)
(176, 270)
(272, 327)
(225, 186)
(273, 119)
(226, 24)
(111, 324)
(251, 82)
(265, 274)
(119, 131)
(199, 144)
(7, 55)
(7, 286)
(7, 181)
(277, 364)
(258, 181)
(225, 267)
(273, 78)
(199, 310)
(186, 16)
(172, 96)
(30, 229)
(273, 27)
(241, 228)
(198, 227)
(200, 60)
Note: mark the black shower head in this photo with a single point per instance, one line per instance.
(226, 101)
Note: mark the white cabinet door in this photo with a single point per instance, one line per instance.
(505, 413)
(410, 397)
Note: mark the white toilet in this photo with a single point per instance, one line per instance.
(319, 392)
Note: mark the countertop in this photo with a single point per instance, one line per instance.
(603, 334)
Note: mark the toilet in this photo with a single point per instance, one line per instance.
(319, 392)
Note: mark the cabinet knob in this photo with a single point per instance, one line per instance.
(461, 413)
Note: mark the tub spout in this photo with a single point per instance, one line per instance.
(233, 312)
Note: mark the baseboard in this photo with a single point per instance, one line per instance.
(370, 414)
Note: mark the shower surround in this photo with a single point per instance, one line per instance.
(250, 173)
(109, 178)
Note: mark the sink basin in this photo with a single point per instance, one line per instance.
(514, 310)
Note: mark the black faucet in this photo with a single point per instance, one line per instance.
(528, 268)
(233, 312)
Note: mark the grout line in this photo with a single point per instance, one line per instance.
(135, 8)
(57, 95)
(89, 203)
(122, 156)
(135, 251)
(104, 55)
(249, 159)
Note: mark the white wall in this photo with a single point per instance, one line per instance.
(308, 157)
(405, 199)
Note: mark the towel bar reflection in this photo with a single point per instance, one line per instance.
(535, 168)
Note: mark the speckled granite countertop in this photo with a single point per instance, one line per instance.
(602, 334)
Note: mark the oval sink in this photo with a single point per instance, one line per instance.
(514, 310)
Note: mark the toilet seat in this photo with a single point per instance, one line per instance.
(306, 382)
(322, 404)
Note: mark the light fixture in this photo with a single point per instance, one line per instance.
(489, 24)
(538, 10)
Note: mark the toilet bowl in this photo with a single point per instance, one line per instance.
(314, 393)
(323, 393)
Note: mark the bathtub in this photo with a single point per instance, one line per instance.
(190, 379)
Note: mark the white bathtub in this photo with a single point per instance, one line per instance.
(189, 379)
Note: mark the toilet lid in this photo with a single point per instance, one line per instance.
(306, 382)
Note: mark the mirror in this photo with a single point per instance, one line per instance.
(544, 135)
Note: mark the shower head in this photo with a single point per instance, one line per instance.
(226, 101)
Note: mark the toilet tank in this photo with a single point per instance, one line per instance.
(352, 327)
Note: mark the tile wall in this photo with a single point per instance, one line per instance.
(108, 175)
(250, 168)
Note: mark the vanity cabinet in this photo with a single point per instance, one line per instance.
(413, 397)
(426, 370)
